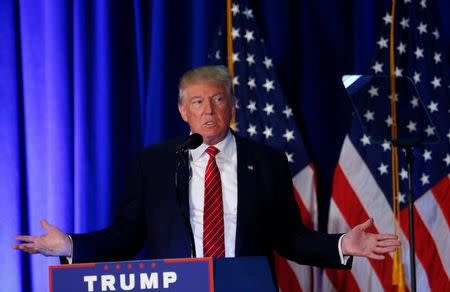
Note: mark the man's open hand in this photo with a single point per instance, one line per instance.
(53, 243)
(358, 242)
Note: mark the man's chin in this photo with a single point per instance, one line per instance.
(212, 138)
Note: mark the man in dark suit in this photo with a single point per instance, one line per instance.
(227, 197)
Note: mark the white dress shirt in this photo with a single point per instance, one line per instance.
(226, 161)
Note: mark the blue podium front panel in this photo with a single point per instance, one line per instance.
(243, 274)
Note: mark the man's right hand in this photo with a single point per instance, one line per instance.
(53, 243)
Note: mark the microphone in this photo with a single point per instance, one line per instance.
(191, 142)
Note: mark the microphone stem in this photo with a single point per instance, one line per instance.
(182, 160)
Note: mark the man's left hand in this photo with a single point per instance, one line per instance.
(358, 242)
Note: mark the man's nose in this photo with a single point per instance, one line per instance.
(208, 107)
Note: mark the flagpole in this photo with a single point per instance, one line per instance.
(230, 40)
(230, 53)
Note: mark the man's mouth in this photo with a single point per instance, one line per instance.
(210, 123)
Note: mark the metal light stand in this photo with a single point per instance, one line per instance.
(409, 147)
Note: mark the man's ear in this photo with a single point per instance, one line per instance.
(182, 110)
(233, 110)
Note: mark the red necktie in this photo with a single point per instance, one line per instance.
(213, 235)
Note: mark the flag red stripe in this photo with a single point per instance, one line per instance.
(441, 192)
(342, 280)
(426, 251)
(350, 206)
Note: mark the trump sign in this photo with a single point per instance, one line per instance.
(150, 275)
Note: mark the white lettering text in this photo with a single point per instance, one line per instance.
(149, 282)
(90, 281)
(169, 278)
(108, 283)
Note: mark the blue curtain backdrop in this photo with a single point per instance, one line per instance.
(86, 84)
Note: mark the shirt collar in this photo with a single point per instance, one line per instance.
(225, 147)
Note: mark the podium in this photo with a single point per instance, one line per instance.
(190, 274)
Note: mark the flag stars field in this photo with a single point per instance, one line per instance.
(416, 77)
(251, 83)
(425, 179)
(404, 23)
(383, 169)
(250, 59)
(403, 174)
(426, 155)
(386, 145)
(419, 53)
(290, 157)
(436, 34)
(422, 28)
(437, 58)
(268, 132)
(383, 43)
(252, 106)
(447, 159)
(411, 126)
(289, 135)
(414, 102)
(365, 140)
(373, 91)
(287, 112)
(388, 121)
(433, 106)
(268, 109)
(401, 48)
(377, 67)
(268, 85)
(436, 82)
(268, 62)
(249, 36)
(429, 131)
(251, 130)
(235, 33)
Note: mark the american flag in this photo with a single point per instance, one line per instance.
(263, 115)
(362, 186)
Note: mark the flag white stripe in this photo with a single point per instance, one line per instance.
(304, 183)
(327, 286)
(303, 275)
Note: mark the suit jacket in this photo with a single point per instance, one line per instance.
(155, 213)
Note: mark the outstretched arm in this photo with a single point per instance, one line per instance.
(358, 242)
(53, 243)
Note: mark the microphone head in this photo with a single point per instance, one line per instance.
(194, 140)
(191, 142)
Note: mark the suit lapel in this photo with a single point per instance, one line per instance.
(245, 191)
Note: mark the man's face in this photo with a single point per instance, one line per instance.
(208, 109)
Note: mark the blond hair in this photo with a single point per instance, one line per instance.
(217, 74)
